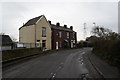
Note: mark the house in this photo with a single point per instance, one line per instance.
(62, 36)
(92, 39)
(36, 33)
(5, 42)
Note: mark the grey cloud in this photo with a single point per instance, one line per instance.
(75, 14)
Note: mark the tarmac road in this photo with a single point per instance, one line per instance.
(72, 63)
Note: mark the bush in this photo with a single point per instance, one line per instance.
(108, 50)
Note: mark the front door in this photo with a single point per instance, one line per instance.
(71, 44)
(56, 45)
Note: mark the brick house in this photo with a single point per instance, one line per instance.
(62, 36)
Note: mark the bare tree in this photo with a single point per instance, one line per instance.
(13, 38)
(105, 33)
(101, 32)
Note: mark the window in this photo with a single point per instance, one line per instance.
(73, 34)
(43, 32)
(60, 34)
(38, 40)
(60, 44)
(43, 43)
(38, 43)
(67, 34)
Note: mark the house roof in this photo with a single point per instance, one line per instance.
(34, 20)
(61, 28)
(5, 39)
(31, 21)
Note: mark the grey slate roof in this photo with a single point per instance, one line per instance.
(34, 20)
(61, 28)
(31, 21)
(5, 39)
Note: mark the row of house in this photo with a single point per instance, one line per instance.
(39, 32)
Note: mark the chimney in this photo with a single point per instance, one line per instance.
(49, 21)
(57, 24)
(71, 27)
(65, 26)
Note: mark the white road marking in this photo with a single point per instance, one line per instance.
(83, 53)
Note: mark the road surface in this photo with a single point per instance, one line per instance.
(72, 63)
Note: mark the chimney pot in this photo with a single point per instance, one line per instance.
(57, 24)
(49, 22)
(65, 26)
(71, 27)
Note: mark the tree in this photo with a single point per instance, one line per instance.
(105, 33)
(13, 38)
(113, 36)
(101, 32)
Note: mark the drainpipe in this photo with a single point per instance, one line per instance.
(35, 35)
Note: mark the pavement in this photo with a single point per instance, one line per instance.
(106, 70)
(74, 63)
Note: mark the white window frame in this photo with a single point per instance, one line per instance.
(60, 34)
(43, 35)
(68, 35)
(60, 44)
(73, 34)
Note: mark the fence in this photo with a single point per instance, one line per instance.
(28, 45)
(25, 45)
(13, 46)
(18, 50)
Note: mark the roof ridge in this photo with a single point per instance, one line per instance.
(31, 21)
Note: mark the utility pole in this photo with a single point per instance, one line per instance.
(84, 33)
(94, 24)
(35, 35)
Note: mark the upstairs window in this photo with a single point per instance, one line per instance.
(60, 34)
(73, 34)
(68, 34)
(43, 32)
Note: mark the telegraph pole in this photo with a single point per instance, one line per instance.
(94, 24)
(85, 33)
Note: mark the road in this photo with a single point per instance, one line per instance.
(72, 63)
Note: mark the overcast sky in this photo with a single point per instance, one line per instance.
(72, 13)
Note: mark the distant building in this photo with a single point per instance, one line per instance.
(62, 36)
(5, 42)
(92, 39)
(36, 33)
(119, 17)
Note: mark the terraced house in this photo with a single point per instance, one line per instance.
(62, 36)
(36, 33)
